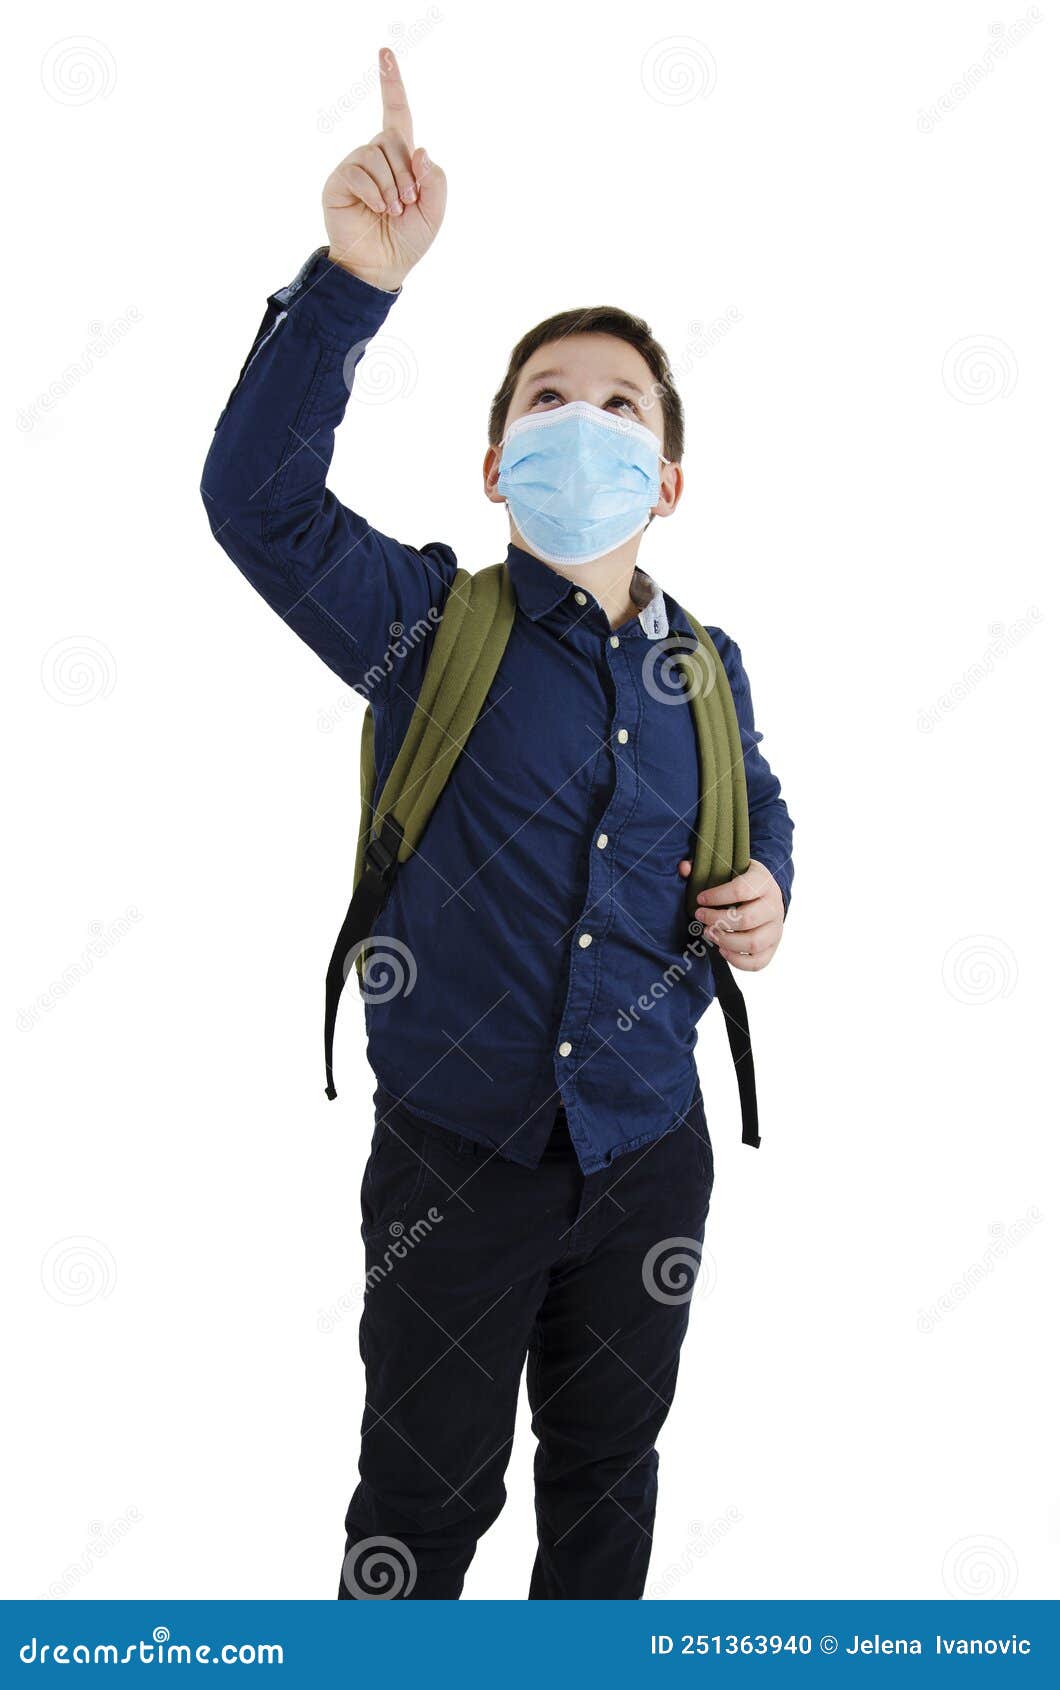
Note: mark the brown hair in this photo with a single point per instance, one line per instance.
(598, 319)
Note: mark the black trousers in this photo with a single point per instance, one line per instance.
(475, 1266)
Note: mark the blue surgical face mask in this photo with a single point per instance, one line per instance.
(579, 481)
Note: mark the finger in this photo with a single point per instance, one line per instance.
(738, 918)
(399, 159)
(396, 113)
(354, 183)
(738, 891)
(374, 159)
(762, 940)
(684, 867)
(748, 964)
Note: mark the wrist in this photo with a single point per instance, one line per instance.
(385, 283)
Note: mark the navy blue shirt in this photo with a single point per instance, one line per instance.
(541, 951)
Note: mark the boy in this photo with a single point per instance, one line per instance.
(541, 1169)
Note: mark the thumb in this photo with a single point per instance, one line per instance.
(430, 185)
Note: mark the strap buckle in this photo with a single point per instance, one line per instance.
(381, 851)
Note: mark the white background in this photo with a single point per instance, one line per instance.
(865, 1391)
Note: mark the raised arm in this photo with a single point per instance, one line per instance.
(341, 584)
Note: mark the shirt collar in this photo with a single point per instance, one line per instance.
(538, 589)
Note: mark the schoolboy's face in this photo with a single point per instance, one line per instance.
(601, 370)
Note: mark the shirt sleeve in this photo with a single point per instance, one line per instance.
(354, 594)
(771, 826)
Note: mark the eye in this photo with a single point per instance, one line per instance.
(546, 393)
(622, 399)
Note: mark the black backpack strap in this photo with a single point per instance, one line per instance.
(369, 896)
(734, 1010)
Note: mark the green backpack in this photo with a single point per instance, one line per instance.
(468, 647)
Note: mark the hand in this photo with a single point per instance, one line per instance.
(744, 918)
(384, 204)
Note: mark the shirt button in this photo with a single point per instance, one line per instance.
(622, 735)
(615, 640)
(565, 1048)
(580, 598)
(601, 843)
(585, 940)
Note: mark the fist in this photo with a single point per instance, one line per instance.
(384, 204)
(744, 918)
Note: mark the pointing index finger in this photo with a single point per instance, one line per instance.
(396, 113)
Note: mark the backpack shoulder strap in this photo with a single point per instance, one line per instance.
(723, 828)
(722, 848)
(468, 646)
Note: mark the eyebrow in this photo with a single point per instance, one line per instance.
(616, 381)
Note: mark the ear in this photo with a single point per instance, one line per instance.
(672, 481)
(491, 469)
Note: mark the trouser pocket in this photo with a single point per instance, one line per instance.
(394, 1177)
